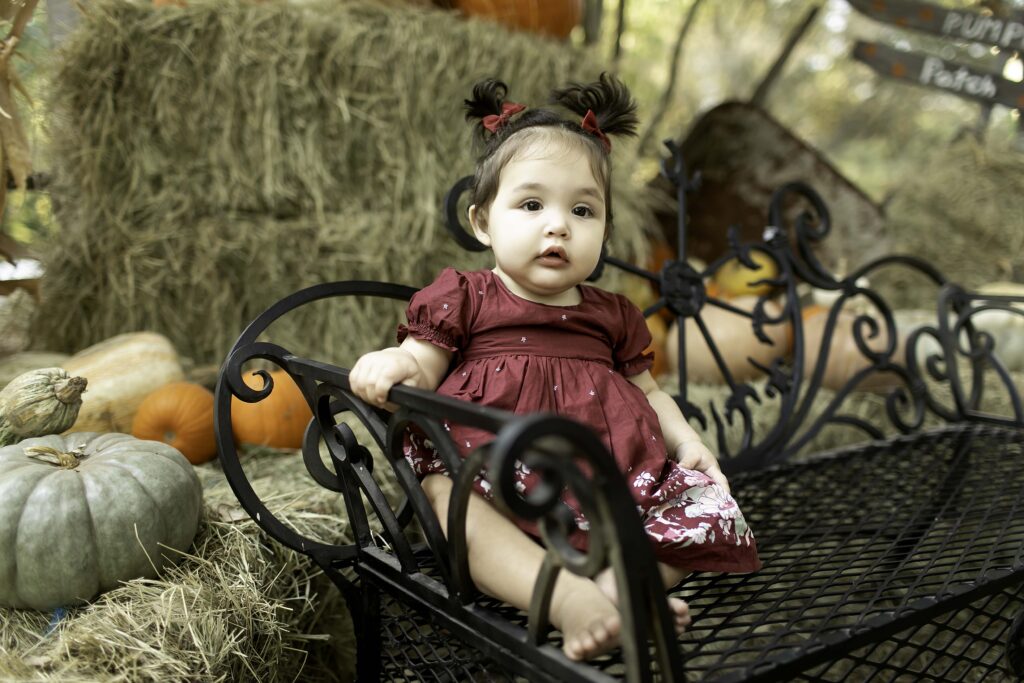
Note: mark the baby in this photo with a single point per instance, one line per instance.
(529, 336)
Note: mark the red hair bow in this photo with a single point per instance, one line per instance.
(589, 124)
(493, 122)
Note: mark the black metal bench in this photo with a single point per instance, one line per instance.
(898, 558)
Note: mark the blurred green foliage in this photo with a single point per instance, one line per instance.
(875, 130)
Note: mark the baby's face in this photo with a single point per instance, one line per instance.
(546, 225)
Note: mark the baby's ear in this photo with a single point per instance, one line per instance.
(478, 221)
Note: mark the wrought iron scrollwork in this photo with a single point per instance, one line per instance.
(791, 242)
(231, 384)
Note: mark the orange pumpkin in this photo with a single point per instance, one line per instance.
(278, 421)
(179, 414)
(555, 18)
(845, 359)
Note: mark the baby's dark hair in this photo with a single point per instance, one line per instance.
(506, 129)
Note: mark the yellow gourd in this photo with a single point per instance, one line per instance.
(734, 279)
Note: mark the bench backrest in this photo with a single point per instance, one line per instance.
(805, 359)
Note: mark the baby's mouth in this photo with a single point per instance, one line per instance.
(553, 256)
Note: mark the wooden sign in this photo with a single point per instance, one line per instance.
(933, 72)
(975, 27)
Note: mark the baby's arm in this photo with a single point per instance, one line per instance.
(416, 363)
(680, 438)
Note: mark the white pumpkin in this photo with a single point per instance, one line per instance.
(1006, 328)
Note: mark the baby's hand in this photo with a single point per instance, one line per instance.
(373, 375)
(694, 455)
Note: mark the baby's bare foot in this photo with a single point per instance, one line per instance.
(589, 622)
(677, 607)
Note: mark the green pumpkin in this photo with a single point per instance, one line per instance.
(83, 512)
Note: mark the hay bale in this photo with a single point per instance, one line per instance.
(962, 213)
(214, 158)
(237, 608)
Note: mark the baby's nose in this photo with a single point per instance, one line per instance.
(557, 224)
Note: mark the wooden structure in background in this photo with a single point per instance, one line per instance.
(742, 155)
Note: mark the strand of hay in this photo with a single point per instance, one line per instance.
(217, 157)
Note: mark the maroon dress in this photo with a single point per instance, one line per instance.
(524, 357)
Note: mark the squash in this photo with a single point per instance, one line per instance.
(122, 371)
(278, 421)
(81, 513)
(735, 340)
(38, 403)
(554, 18)
(179, 414)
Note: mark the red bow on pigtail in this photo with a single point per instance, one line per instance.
(589, 124)
(494, 122)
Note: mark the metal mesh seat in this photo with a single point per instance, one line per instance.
(893, 561)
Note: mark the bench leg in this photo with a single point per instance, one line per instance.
(1015, 646)
(363, 602)
(368, 647)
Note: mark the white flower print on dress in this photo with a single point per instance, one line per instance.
(696, 478)
(445, 306)
(713, 502)
(643, 480)
(698, 535)
(411, 452)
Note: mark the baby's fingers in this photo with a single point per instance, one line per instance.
(364, 380)
(716, 474)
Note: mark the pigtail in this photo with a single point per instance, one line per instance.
(488, 96)
(490, 107)
(608, 98)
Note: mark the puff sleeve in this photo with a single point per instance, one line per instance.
(628, 352)
(441, 312)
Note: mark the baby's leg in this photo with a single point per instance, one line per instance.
(504, 563)
(670, 576)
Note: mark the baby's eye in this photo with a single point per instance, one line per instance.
(583, 211)
(531, 205)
